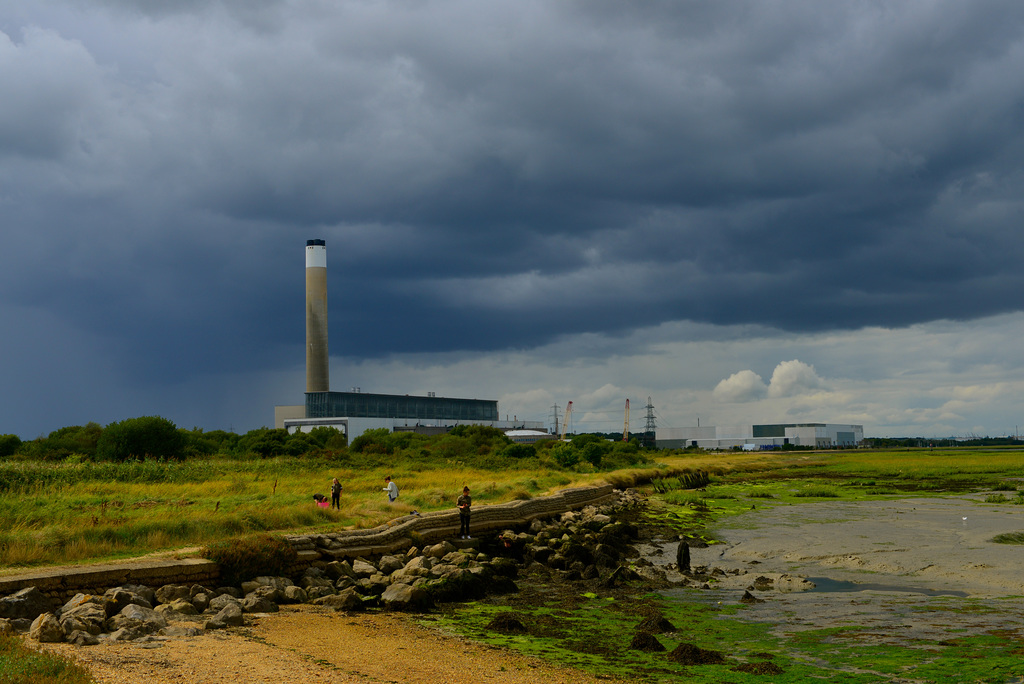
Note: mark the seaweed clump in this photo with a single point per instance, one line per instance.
(689, 654)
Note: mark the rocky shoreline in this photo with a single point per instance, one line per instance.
(595, 546)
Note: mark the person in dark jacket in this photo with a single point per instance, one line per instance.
(336, 494)
(464, 503)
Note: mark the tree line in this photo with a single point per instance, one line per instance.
(155, 437)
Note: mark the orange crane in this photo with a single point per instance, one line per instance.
(625, 425)
(565, 423)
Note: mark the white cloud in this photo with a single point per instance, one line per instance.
(739, 387)
(793, 377)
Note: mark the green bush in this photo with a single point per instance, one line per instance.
(372, 442)
(565, 455)
(518, 451)
(264, 442)
(9, 445)
(244, 558)
(22, 665)
(143, 437)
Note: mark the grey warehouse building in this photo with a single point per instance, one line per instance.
(752, 437)
(330, 404)
(356, 412)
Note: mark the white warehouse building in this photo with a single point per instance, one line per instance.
(753, 437)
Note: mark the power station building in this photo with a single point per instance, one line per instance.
(753, 437)
(356, 412)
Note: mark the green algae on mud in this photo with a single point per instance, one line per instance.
(592, 631)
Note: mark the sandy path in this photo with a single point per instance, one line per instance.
(932, 543)
(305, 643)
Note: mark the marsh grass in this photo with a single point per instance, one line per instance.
(20, 664)
(1009, 538)
(52, 514)
(818, 492)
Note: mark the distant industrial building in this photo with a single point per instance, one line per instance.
(752, 437)
(356, 412)
(529, 436)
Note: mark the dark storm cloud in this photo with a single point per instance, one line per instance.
(593, 166)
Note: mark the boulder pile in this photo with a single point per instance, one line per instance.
(584, 545)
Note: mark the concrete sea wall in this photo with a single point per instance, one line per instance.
(394, 536)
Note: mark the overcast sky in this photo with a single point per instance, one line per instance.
(748, 211)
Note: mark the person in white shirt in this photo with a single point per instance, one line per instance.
(391, 488)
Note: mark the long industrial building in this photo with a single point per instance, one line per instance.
(751, 437)
(356, 412)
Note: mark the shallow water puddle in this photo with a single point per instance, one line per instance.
(829, 585)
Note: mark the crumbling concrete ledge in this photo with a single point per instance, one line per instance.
(64, 582)
(408, 530)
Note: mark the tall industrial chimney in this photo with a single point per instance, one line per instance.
(317, 364)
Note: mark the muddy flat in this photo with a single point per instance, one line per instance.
(922, 570)
(943, 543)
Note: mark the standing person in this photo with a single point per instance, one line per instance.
(391, 488)
(336, 494)
(464, 502)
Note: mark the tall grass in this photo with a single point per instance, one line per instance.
(77, 512)
(20, 664)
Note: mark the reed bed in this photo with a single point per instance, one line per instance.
(80, 512)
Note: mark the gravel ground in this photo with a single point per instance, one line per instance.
(307, 643)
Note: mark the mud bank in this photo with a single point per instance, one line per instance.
(933, 543)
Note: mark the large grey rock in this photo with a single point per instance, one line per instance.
(269, 593)
(21, 625)
(257, 604)
(229, 616)
(456, 584)
(218, 603)
(388, 564)
(84, 617)
(172, 592)
(278, 583)
(142, 619)
(308, 582)
(335, 570)
(181, 606)
(126, 634)
(201, 601)
(456, 558)
(347, 600)
(46, 629)
(80, 638)
(80, 599)
(417, 567)
(405, 597)
(180, 631)
(294, 594)
(372, 586)
(28, 603)
(143, 594)
(361, 568)
(439, 550)
(318, 592)
(117, 598)
(197, 589)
